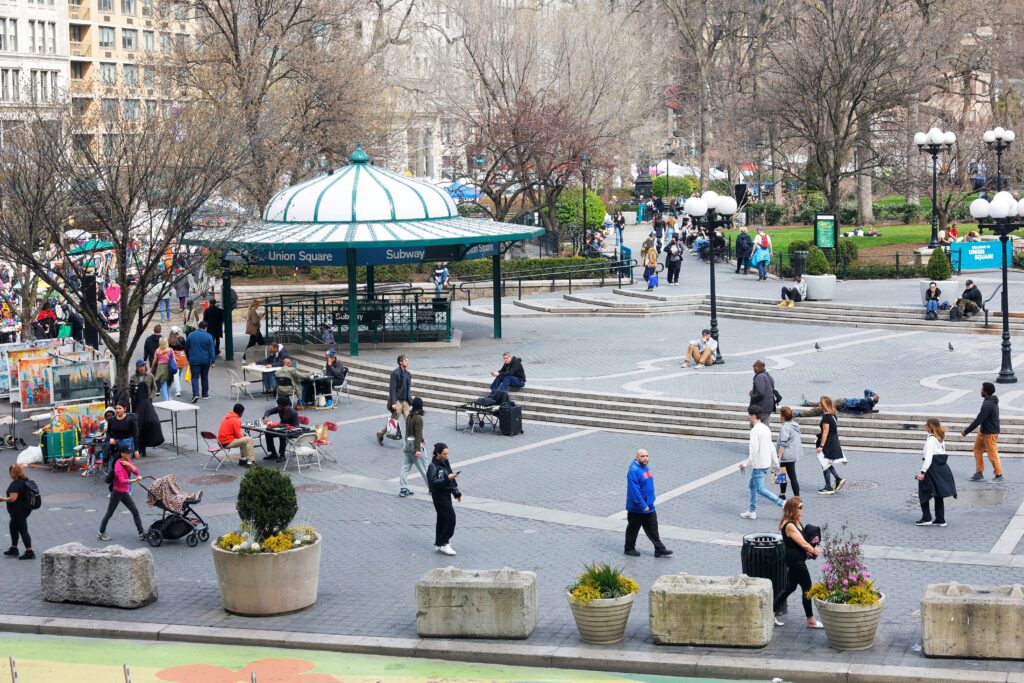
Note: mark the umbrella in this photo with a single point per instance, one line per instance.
(462, 191)
(91, 246)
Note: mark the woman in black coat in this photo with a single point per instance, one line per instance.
(935, 480)
(828, 448)
(150, 433)
(744, 248)
(443, 487)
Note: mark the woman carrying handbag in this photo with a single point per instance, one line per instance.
(827, 447)
(935, 480)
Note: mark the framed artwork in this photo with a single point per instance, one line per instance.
(77, 382)
(14, 360)
(34, 383)
(86, 417)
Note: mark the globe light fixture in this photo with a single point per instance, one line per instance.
(934, 142)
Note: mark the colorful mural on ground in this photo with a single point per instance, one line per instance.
(46, 659)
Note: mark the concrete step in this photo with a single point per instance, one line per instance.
(893, 325)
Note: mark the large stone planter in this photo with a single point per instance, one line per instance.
(486, 603)
(820, 287)
(950, 289)
(111, 576)
(850, 627)
(722, 611)
(959, 620)
(261, 584)
(602, 622)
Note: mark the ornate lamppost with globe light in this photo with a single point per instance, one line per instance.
(999, 139)
(713, 212)
(1003, 215)
(934, 142)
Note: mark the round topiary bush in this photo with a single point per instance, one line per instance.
(939, 267)
(266, 500)
(817, 264)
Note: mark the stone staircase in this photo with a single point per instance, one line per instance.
(892, 432)
(637, 303)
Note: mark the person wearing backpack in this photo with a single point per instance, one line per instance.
(19, 501)
(121, 492)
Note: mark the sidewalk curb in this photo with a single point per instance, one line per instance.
(511, 653)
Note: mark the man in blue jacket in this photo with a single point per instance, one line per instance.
(640, 507)
(200, 351)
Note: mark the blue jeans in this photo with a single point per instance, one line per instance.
(762, 269)
(503, 383)
(932, 306)
(200, 373)
(165, 309)
(165, 390)
(618, 237)
(756, 485)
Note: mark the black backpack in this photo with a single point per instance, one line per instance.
(35, 499)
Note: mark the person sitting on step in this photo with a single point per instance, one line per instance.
(970, 302)
(702, 350)
(791, 296)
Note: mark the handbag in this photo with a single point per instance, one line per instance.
(653, 281)
(410, 446)
(780, 478)
(172, 365)
(392, 430)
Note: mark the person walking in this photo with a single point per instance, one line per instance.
(121, 494)
(176, 342)
(182, 289)
(649, 259)
(19, 508)
(935, 480)
(744, 248)
(761, 459)
(640, 510)
(762, 255)
(789, 449)
(161, 368)
(987, 424)
(399, 394)
(200, 351)
(443, 486)
(762, 394)
(253, 319)
(797, 551)
(151, 344)
(214, 319)
(674, 259)
(828, 448)
(415, 444)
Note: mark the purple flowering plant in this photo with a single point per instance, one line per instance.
(844, 576)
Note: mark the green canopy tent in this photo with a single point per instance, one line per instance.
(90, 246)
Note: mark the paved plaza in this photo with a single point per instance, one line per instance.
(551, 499)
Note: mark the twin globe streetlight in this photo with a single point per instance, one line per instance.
(934, 142)
(712, 212)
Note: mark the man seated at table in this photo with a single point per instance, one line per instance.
(286, 416)
(511, 374)
(275, 359)
(289, 371)
(230, 435)
(333, 376)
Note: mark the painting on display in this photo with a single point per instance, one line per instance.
(34, 385)
(74, 382)
(14, 360)
(86, 417)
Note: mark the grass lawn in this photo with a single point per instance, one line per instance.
(917, 235)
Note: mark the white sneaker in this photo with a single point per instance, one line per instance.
(446, 549)
(177, 393)
(748, 515)
(103, 537)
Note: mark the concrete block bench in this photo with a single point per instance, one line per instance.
(112, 576)
(958, 620)
(724, 611)
(489, 603)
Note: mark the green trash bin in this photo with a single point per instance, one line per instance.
(798, 260)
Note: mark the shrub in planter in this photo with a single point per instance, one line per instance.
(266, 500)
(817, 264)
(601, 599)
(939, 267)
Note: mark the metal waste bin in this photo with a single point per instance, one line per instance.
(798, 260)
(764, 556)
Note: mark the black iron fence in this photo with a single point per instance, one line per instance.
(620, 270)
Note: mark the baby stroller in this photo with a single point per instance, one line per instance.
(179, 519)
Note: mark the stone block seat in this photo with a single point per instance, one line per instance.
(112, 576)
(959, 620)
(488, 603)
(723, 611)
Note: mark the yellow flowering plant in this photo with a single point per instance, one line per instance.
(600, 582)
(845, 577)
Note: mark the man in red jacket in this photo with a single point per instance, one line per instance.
(230, 435)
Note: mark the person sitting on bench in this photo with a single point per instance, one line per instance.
(702, 350)
(846, 405)
(970, 302)
(511, 374)
(791, 296)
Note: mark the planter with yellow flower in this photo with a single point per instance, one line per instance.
(847, 601)
(267, 567)
(600, 600)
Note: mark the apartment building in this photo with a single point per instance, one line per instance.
(116, 48)
(33, 56)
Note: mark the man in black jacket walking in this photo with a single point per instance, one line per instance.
(214, 318)
(762, 395)
(399, 394)
(511, 374)
(151, 344)
(987, 423)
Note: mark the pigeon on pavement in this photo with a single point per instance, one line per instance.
(950, 346)
(817, 346)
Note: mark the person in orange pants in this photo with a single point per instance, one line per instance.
(987, 423)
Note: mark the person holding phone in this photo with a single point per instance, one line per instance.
(444, 486)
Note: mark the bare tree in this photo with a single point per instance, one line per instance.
(136, 179)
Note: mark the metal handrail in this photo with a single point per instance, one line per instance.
(544, 273)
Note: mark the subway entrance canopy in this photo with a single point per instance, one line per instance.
(363, 215)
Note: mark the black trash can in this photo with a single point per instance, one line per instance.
(798, 260)
(764, 556)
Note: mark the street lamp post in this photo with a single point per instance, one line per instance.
(584, 164)
(1006, 215)
(711, 211)
(668, 176)
(934, 142)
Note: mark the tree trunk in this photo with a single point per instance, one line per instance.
(913, 192)
(705, 128)
(776, 164)
(865, 172)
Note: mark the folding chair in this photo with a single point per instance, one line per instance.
(238, 386)
(218, 454)
(303, 451)
(337, 390)
(322, 442)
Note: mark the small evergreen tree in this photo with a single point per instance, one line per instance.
(817, 264)
(939, 267)
(266, 500)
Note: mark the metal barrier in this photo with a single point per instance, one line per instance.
(390, 315)
(620, 269)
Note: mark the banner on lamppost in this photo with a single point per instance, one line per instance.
(825, 230)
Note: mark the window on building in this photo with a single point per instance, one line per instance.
(106, 5)
(6, 78)
(147, 8)
(165, 42)
(108, 108)
(53, 83)
(131, 109)
(51, 37)
(31, 35)
(80, 106)
(44, 86)
(12, 35)
(76, 33)
(147, 41)
(182, 39)
(129, 39)
(107, 37)
(180, 11)
(108, 73)
(131, 75)
(151, 107)
(110, 141)
(147, 77)
(128, 7)
(77, 71)
(3, 33)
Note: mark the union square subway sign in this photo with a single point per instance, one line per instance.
(371, 256)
